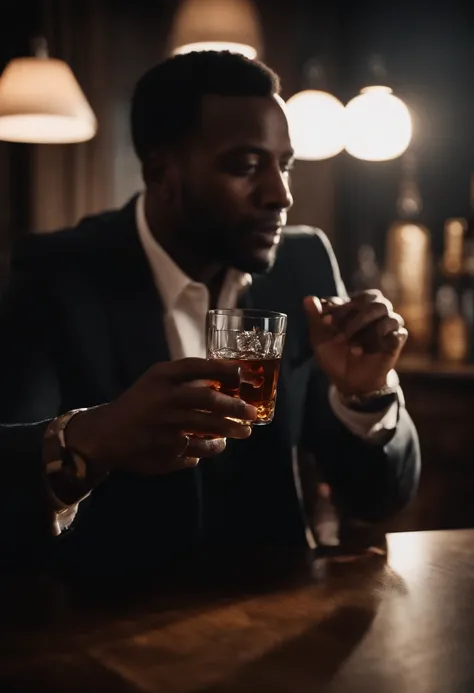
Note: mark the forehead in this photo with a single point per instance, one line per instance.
(235, 121)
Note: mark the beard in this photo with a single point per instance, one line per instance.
(223, 242)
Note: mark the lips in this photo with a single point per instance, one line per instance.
(266, 236)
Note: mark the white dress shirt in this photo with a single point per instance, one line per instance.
(185, 302)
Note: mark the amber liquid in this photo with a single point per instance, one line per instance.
(259, 379)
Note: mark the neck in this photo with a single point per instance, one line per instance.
(192, 263)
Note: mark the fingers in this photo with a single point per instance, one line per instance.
(207, 399)
(373, 313)
(199, 448)
(201, 423)
(393, 335)
(385, 335)
(341, 313)
(366, 321)
(171, 460)
(319, 330)
(185, 370)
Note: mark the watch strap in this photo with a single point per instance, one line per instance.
(376, 400)
(66, 469)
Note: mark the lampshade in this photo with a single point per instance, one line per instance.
(316, 123)
(378, 125)
(42, 102)
(216, 25)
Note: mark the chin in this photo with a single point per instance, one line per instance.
(257, 262)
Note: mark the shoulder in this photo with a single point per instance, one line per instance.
(307, 254)
(89, 239)
(302, 238)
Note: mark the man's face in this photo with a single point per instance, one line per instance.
(234, 182)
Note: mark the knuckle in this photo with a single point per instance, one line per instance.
(207, 448)
(384, 308)
(398, 318)
(215, 447)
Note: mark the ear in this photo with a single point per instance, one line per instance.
(154, 167)
(159, 173)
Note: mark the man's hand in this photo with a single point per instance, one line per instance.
(357, 341)
(145, 430)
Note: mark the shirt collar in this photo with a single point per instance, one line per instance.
(170, 279)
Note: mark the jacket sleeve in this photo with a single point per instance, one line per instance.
(29, 388)
(26, 515)
(370, 481)
(29, 393)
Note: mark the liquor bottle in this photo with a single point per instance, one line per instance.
(409, 262)
(453, 333)
(467, 287)
(367, 274)
(452, 329)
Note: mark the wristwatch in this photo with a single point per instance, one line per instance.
(69, 460)
(65, 468)
(376, 400)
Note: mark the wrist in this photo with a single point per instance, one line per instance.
(85, 436)
(373, 400)
(71, 457)
(387, 383)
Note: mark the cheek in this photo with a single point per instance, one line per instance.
(231, 196)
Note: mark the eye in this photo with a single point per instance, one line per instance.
(246, 168)
(287, 167)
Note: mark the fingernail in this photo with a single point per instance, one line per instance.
(327, 319)
(357, 351)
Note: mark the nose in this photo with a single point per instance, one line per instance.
(274, 190)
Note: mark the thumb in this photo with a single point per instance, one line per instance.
(319, 324)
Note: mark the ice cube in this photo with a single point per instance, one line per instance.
(224, 353)
(248, 341)
(254, 341)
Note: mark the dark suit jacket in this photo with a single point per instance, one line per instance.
(81, 320)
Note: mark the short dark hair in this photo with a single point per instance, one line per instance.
(167, 99)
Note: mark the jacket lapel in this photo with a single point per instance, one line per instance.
(134, 306)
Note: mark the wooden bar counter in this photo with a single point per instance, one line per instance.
(405, 623)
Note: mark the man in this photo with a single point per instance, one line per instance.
(89, 309)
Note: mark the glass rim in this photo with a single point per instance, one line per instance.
(250, 312)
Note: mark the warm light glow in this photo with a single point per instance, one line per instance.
(378, 125)
(248, 51)
(42, 102)
(316, 122)
(216, 25)
(406, 553)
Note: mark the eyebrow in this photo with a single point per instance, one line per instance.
(260, 151)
